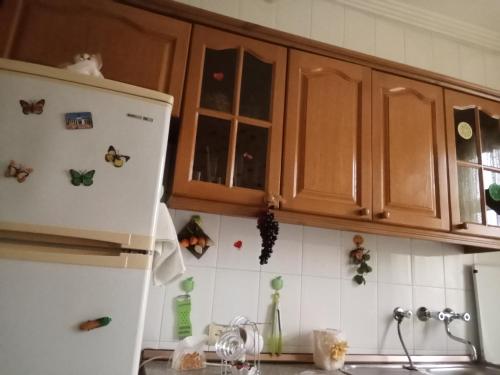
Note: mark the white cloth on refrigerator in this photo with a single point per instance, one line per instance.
(168, 262)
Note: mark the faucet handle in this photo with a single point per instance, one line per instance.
(424, 314)
(399, 314)
(451, 315)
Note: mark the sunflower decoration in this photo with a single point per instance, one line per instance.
(338, 350)
(360, 257)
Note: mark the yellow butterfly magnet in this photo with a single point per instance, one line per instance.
(113, 156)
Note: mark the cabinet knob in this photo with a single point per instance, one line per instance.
(273, 200)
(364, 211)
(384, 215)
(463, 225)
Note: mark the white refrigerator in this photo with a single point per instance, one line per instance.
(81, 163)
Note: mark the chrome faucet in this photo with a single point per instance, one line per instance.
(447, 316)
(399, 314)
(424, 314)
(450, 316)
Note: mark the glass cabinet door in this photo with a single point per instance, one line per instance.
(474, 140)
(230, 142)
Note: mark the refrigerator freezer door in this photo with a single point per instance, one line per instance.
(42, 305)
(122, 200)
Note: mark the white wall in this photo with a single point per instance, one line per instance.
(319, 291)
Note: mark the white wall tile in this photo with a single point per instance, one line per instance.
(394, 260)
(359, 326)
(390, 297)
(261, 12)
(389, 40)
(201, 302)
(359, 31)
(294, 16)
(446, 58)
(457, 267)
(236, 293)
(418, 48)
(319, 307)
(472, 65)
(210, 224)
(348, 269)
(429, 336)
(492, 258)
(287, 252)
(328, 22)
(492, 64)
(289, 307)
(227, 7)
(428, 264)
(234, 229)
(321, 252)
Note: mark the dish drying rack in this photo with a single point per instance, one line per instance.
(233, 345)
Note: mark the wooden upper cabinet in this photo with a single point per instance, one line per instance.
(409, 153)
(473, 136)
(137, 47)
(327, 154)
(231, 133)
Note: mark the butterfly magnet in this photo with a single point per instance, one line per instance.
(32, 107)
(113, 156)
(84, 178)
(19, 171)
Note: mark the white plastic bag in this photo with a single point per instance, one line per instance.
(189, 354)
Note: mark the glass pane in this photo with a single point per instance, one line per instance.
(212, 144)
(465, 135)
(490, 140)
(469, 195)
(492, 195)
(256, 82)
(251, 157)
(219, 72)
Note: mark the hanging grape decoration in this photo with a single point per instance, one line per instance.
(269, 229)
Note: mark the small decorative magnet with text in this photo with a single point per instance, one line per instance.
(78, 120)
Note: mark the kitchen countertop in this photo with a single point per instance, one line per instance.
(163, 368)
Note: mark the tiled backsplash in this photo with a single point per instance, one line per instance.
(318, 288)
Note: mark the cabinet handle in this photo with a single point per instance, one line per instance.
(273, 200)
(464, 226)
(364, 211)
(384, 215)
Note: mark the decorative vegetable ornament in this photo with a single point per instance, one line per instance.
(82, 177)
(96, 323)
(193, 238)
(269, 229)
(359, 256)
(19, 171)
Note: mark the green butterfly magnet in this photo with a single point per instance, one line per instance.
(82, 177)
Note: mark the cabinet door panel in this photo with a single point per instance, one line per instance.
(242, 81)
(409, 154)
(137, 47)
(473, 128)
(327, 144)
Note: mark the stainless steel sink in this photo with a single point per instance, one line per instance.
(425, 369)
